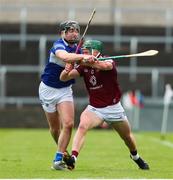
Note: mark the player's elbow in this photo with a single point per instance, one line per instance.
(106, 67)
(63, 78)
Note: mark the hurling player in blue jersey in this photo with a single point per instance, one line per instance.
(56, 96)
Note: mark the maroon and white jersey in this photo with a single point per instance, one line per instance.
(102, 86)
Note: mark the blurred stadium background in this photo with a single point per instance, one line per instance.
(28, 28)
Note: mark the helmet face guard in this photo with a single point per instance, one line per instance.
(93, 44)
(65, 26)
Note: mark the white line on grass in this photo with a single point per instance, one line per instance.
(163, 142)
(160, 141)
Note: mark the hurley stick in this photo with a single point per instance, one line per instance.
(145, 53)
(86, 28)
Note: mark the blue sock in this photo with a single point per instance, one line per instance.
(58, 156)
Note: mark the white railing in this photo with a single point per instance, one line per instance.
(133, 70)
(133, 41)
(154, 72)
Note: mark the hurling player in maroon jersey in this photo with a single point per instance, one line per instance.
(104, 102)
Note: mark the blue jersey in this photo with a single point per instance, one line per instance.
(54, 66)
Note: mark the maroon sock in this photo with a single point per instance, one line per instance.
(74, 153)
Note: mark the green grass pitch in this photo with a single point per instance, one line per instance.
(28, 153)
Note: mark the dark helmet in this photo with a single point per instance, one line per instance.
(64, 26)
(93, 44)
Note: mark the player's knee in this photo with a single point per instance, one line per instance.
(69, 124)
(82, 128)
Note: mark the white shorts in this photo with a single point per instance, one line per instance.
(50, 97)
(110, 113)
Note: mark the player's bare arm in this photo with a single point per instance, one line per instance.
(68, 73)
(105, 66)
(72, 57)
(101, 65)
